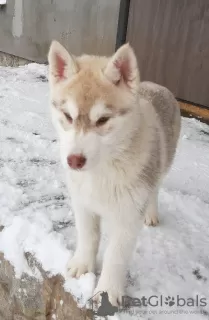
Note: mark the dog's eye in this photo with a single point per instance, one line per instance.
(102, 121)
(68, 117)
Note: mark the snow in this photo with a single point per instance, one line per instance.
(171, 259)
(81, 288)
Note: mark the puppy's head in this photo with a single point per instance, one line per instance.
(93, 101)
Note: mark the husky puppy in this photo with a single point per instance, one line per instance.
(118, 137)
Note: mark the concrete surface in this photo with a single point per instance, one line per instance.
(27, 26)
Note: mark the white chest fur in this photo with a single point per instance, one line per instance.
(103, 192)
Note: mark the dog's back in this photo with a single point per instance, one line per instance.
(166, 113)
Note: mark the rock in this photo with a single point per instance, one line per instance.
(31, 299)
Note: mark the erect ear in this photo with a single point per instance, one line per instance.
(62, 65)
(123, 66)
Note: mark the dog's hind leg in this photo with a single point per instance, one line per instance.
(151, 215)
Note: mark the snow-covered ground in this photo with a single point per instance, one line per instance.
(171, 259)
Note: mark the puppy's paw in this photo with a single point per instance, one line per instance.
(151, 220)
(115, 292)
(79, 265)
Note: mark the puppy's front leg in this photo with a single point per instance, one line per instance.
(116, 260)
(88, 234)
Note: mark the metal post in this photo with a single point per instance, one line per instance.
(122, 23)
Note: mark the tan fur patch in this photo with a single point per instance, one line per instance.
(86, 90)
(82, 123)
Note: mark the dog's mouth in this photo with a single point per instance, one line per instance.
(78, 169)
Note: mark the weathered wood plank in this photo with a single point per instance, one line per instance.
(171, 41)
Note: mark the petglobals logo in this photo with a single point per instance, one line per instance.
(161, 301)
(156, 305)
